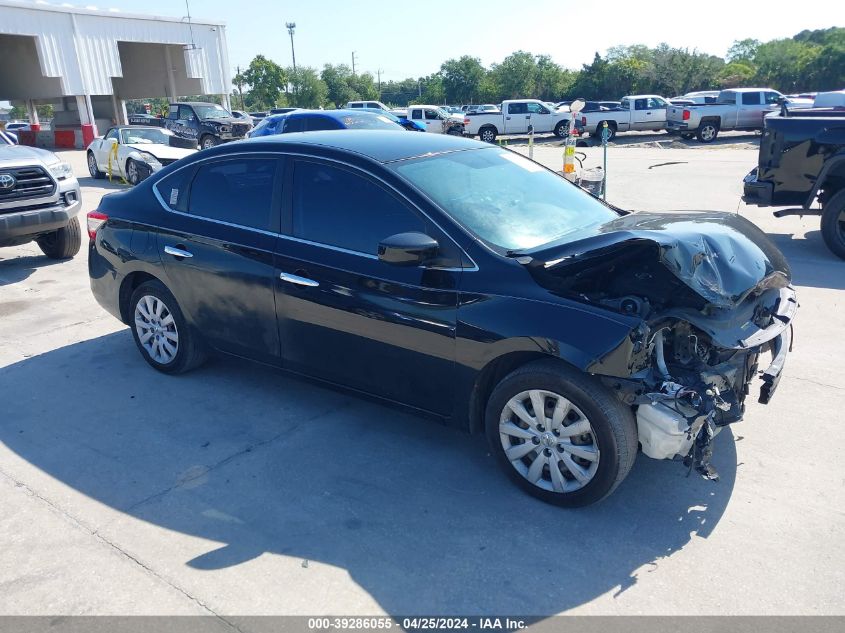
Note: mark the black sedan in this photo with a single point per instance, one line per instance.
(460, 280)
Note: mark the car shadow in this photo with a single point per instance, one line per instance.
(418, 514)
(16, 269)
(116, 184)
(811, 261)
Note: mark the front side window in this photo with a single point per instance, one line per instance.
(316, 123)
(186, 113)
(508, 201)
(655, 104)
(431, 115)
(536, 108)
(238, 191)
(337, 207)
(771, 97)
(112, 133)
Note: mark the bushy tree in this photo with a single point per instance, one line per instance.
(266, 80)
(307, 89)
(462, 79)
(338, 90)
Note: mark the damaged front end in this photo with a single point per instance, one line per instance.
(712, 294)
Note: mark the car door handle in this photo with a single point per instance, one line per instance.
(177, 252)
(299, 281)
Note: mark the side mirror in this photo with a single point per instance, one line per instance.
(407, 249)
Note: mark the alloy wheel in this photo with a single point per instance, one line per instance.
(708, 133)
(132, 173)
(156, 329)
(92, 165)
(549, 441)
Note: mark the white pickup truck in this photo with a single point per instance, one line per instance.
(635, 112)
(515, 117)
(433, 119)
(736, 109)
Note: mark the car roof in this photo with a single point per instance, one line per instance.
(194, 103)
(380, 145)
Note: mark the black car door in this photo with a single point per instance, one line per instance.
(218, 251)
(349, 318)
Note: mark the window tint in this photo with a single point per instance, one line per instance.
(771, 97)
(294, 124)
(373, 104)
(431, 115)
(237, 191)
(517, 108)
(185, 112)
(315, 123)
(337, 207)
(416, 114)
(750, 98)
(536, 108)
(356, 105)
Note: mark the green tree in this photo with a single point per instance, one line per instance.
(743, 50)
(553, 81)
(337, 78)
(736, 74)
(307, 89)
(266, 80)
(462, 79)
(364, 84)
(785, 64)
(516, 76)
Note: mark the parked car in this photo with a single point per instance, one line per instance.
(17, 126)
(692, 98)
(282, 110)
(133, 152)
(411, 126)
(207, 124)
(801, 162)
(372, 105)
(485, 108)
(515, 117)
(243, 116)
(39, 201)
(433, 119)
(635, 112)
(735, 109)
(8, 138)
(834, 100)
(313, 120)
(461, 280)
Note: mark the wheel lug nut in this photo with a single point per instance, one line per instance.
(560, 448)
(536, 440)
(548, 452)
(540, 428)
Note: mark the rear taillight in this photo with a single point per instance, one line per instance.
(686, 115)
(466, 120)
(95, 221)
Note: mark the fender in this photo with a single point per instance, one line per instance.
(835, 162)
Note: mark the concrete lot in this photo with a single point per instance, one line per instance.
(237, 490)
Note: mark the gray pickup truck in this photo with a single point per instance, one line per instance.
(39, 201)
(735, 109)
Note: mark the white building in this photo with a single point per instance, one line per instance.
(87, 62)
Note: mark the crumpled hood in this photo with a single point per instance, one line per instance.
(721, 257)
(161, 151)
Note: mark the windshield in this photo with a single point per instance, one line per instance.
(368, 121)
(211, 112)
(143, 135)
(505, 199)
(442, 113)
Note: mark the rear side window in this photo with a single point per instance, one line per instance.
(750, 98)
(337, 207)
(372, 104)
(173, 189)
(238, 191)
(356, 105)
(517, 108)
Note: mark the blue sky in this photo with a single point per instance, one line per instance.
(406, 42)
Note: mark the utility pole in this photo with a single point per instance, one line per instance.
(353, 63)
(379, 72)
(291, 26)
(240, 89)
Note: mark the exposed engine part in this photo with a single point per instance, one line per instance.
(663, 432)
(659, 355)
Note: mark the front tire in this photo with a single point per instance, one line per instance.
(580, 447)
(833, 224)
(161, 332)
(611, 130)
(562, 129)
(63, 243)
(207, 142)
(707, 132)
(133, 175)
(93, 169)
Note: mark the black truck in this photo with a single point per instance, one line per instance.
(206, 124)
(801, 163)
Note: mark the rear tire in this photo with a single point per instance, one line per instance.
(707, 131)
(63, 243)
(160, 330)
(608, 440)
(611, 130)
(487, 134)
(833, 224)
